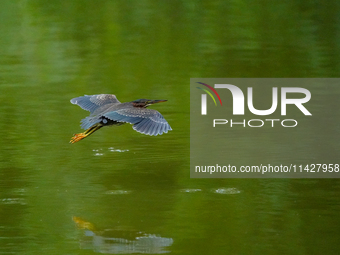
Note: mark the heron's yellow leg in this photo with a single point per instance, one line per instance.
(80, 136)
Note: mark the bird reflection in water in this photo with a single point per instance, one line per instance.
(106, 110)
(118, 241)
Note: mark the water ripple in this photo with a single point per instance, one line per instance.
(190, 190)
(101, 152)
(13, 201)
(227, 191)
(118, 192)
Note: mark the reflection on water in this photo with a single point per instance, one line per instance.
(118, 241)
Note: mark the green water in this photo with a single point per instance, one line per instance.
(118, 179)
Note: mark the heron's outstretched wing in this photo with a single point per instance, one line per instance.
(145, 121)
(91, 103)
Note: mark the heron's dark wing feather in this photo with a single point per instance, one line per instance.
(90, 121)
(91, 103)
(145, 121)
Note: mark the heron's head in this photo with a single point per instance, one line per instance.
(146, 102)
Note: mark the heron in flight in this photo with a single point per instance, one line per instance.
(106, 110)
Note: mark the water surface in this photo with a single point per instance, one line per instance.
(125, 186)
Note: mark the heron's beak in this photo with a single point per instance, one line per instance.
(157, 101)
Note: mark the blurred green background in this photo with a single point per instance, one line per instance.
(52, 51)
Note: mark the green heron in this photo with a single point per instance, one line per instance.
(106, 110)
